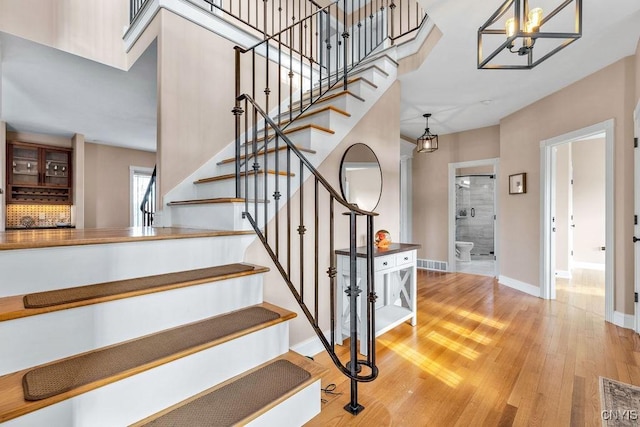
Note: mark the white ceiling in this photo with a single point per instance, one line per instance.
(49, 91)
(45, 90)
(450, 86)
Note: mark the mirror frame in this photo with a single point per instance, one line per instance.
(341, 174)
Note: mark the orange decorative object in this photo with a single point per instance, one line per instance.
(383, 239)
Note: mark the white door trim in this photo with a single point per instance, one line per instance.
(546, 273)
(495, 162)
(636, 231)
(406, 191)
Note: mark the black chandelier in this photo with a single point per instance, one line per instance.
(519, 33)
(428, 142)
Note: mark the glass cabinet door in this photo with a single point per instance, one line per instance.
(24, 167)
(56, 168)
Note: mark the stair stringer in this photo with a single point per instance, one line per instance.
(186, 189)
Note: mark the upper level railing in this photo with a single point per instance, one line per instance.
(269, 17)
(135, 7)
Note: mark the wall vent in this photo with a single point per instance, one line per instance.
(429, 264)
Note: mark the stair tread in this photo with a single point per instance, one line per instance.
(18, 306)
(31, 239)
(269, 151)
(226, 403)
(311, 113)
(233, 176)
(211, 202)
(110, 364)
(339, 85)
(291, 130)
(296, 106)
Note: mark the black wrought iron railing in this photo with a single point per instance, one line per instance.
(301, 259)
(148, 204)
(276, 81)
(405, 18)
(135, 7)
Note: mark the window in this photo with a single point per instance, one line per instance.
(140, 178)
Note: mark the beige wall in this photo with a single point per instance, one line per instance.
(638, 71)
(430, 185)
(601, 96)
(563, 177)
(107, 186)
(3, 173)
(588, 200)
(91, 29)
(371, 131)
(195, 98)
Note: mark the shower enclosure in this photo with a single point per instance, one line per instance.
(475, 215)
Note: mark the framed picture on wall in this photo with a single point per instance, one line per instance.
(518, 183)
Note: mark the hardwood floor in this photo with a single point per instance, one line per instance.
(483, 354)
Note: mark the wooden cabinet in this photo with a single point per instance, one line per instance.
(38, 174)
(395, 286)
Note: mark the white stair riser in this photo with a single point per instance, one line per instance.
(343, 102)
(40, 339)
(222, 216)
(358, 87)
(280, 155)
(134, 398)
(68, 266)
(306, 138)
(227, 187)
(293, 412)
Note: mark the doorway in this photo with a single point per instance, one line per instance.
(549, 214)
(636, 231)
(473, 199)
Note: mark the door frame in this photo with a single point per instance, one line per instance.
(495, 162)
(547, 250)
(636, 231)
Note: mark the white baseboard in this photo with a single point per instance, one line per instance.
(588, 265)
(561, 274)
(310, 347)
(623, 320)
(519, 286)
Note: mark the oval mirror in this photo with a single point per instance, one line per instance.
(361, 177)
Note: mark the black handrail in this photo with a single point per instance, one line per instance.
(148, 205)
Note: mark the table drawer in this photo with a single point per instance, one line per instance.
(384, 262)
(405, 258)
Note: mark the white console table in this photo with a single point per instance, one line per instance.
(395, 286)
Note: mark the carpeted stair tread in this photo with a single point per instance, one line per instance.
(137, 285)
(120, 360)
(236, 400)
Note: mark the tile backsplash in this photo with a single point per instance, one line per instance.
(42, 215)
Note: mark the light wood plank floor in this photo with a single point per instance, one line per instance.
(483, 354)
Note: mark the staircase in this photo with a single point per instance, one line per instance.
(135, 336)
(158, 326)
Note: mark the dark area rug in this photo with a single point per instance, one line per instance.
(620, 403)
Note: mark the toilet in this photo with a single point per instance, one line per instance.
(463, 251)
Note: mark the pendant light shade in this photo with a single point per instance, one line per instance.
(428, 142)
(515, 28)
